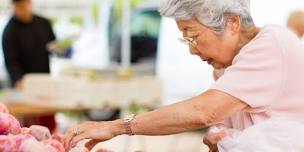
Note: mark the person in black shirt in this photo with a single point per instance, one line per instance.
(24, 42)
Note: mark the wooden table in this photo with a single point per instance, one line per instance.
(26, 108)
(29, 114)
(19, 109)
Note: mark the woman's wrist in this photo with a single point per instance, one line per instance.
(119, 128)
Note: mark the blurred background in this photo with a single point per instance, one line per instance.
(111, 58)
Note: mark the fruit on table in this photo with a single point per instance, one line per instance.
(55, 144)
(20, 139)
(49, 148)
(40, 133)
(9, 124)
(28, 143)
(7, 144)
(31, 145)
(13, 138)
(58, 137)
(20, 143)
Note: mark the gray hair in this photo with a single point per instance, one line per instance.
(211, 13)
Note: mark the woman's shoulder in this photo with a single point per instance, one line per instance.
(270, 37)
(277, 33)
(265, 43)
(270, 32)
(278, 37)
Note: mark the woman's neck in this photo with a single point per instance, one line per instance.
(247, 35)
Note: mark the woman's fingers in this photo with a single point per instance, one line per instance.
(206, 141)
(211, 139)
(103, 150)
(73, 131)
(68, 137)
(214, 138)
(91, 144)
(77, 138)
(97, 131)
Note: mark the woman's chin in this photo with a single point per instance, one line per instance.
(217, 66)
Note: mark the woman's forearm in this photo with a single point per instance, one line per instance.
(198, 112)
(164, 121)
(171, 119)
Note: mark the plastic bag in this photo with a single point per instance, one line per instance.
(273, 135)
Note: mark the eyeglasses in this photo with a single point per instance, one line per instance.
(188, 41)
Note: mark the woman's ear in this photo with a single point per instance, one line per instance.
(234, 24)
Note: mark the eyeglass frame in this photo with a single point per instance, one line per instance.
(188, 41)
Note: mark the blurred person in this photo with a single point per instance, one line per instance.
(24, 42)
(24, 47)
(253, 66)
(296, 23)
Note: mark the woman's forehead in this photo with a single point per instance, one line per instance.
(188, 24)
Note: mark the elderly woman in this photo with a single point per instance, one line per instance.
(257, 80)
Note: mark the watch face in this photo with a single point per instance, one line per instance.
(129, 117)
(127, 123)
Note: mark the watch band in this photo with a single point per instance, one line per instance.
(127, 124)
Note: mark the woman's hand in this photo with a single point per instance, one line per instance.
(96, 131)
(213, 136)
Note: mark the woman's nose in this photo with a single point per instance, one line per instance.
(193, 50)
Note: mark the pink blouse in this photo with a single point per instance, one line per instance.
(268, 75)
